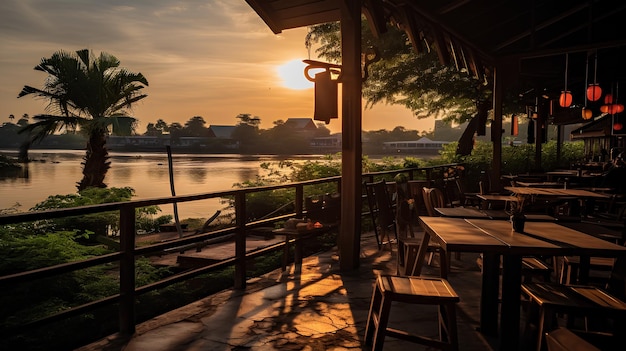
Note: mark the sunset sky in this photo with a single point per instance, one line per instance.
(209, 58)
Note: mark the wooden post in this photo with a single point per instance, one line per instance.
(496, 127)
(127, 270)
(240, 240)
(350, 230)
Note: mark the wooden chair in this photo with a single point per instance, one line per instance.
(382, 213)
(412, 290)
(563, 339)
(547, 300)
(433, 198)
(601, 266)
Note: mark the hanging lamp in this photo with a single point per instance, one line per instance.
(594, 92)
(586, 112)
(565, 100)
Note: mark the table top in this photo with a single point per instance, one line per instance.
(461, 212)
(472, 212)
(540, 184)
(521, 190)
(539, 238)
(492, 197)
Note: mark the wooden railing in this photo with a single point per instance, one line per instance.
(129, 251)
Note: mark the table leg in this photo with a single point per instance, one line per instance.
(489, 294)
(583, 270)
(421, 254)
(510, 309)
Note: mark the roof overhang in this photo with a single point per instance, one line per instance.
(532, 38)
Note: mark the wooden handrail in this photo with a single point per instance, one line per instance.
(128, 252)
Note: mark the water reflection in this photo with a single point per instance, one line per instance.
(57, 172)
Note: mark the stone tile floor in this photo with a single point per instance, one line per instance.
(321, 308)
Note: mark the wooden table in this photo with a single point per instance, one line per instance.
(581, 193)
(461, 212)
(561, 174)
(495, 238)
(487, 199)
(471, 212)
(540, 184)
(298, 236)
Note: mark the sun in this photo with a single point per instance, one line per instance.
(291, 74)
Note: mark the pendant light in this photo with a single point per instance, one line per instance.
(586, 112)
(565, 100)
(594, 92)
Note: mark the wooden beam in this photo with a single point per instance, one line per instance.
(374, 12)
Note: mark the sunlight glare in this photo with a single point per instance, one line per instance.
(291, 74)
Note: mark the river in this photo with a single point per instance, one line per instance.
(57, 172)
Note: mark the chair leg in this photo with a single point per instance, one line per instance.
(371, 316)
(381, 328)
(447, 326)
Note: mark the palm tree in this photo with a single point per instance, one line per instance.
(86, 92)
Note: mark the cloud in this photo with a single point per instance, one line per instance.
(214, 58)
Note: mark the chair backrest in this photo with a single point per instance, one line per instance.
(332, 208)
(383, 203)
(433, 197)
(314, 206)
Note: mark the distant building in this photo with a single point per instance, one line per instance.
(221, 132)
(225, 136)
(423, 145)
(330, 143)
(301, 124)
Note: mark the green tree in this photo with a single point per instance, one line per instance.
(195, 127)
(247, 131)
(88, 92)
(162, 126)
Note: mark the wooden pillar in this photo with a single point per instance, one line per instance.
(496, 127)
(349, 242)
(543, 109)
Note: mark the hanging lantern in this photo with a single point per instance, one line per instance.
(604, 108)
(608, 99)
(619, 108)
(618, 126)
(565, 100)
(594, 92)
(325, 97)
(587, 113)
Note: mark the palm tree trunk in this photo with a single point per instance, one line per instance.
(23, 154)
(96, 162)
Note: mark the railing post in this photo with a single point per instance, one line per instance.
(299, 200)
(127, 270)
(240, 240)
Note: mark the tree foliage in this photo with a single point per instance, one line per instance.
(417, 81)
(91, 93)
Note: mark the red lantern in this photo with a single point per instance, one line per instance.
(587, 113)
(618, 126)
(604, 108)
(608, 99)
(594, 92)
(565, 100)
(619, 108)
